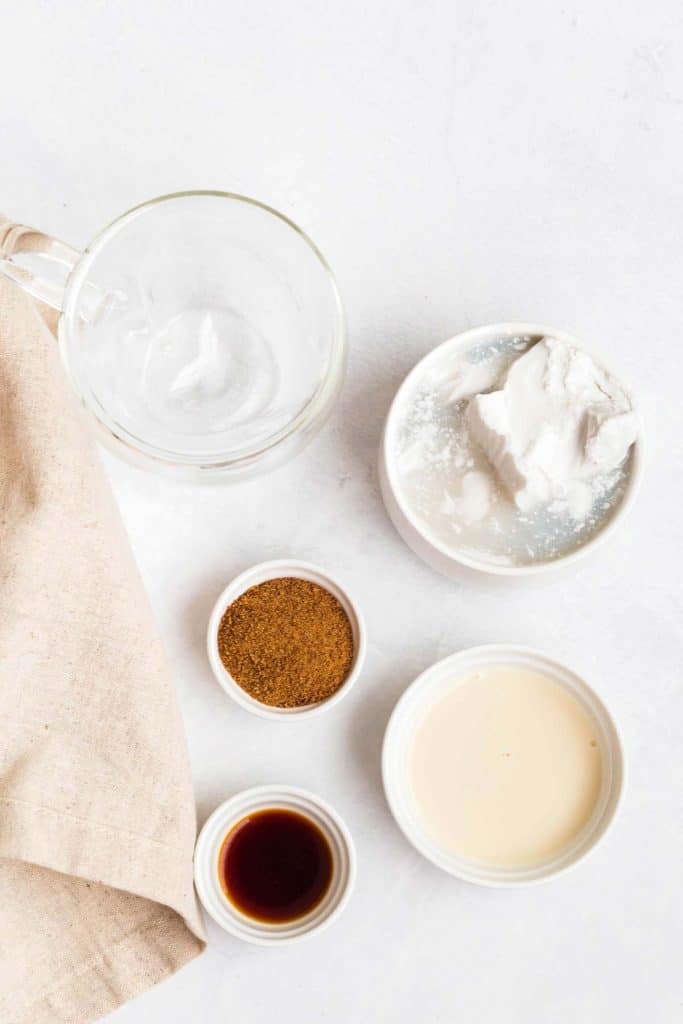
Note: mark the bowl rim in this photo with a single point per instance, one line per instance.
(274, 569)
(310, 417)
(240, 805)
(466, 339)
(611, 799)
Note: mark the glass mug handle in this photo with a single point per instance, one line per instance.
(41, 266)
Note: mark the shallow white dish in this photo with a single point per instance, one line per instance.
(208, 848)
(400, 733)
(274, 570)
(447, 560)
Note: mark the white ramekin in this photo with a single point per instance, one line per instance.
(400, 734)
(429, 548)
(206, 863)
(275, 570)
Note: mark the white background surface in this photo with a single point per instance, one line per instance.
(458, 163)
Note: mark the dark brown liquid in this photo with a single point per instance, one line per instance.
(275, 865)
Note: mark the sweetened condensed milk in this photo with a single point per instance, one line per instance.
(505, 767)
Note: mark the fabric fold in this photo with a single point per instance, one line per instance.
(97, 820)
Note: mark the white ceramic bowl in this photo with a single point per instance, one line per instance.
(275, 570)
(438, 555)
(208, 848)
(400, 734)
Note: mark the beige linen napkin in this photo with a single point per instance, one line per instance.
(96, 809)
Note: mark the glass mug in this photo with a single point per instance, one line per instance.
(203, 330)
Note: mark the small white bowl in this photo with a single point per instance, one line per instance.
(457, 565)
(276, 570)
(207, 853)
(400, 732)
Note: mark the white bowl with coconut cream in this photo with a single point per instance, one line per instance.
(500, 772)
(428, 535)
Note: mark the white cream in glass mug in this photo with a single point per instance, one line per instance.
(202, 330)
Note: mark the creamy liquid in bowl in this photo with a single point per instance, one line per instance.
(506, 767)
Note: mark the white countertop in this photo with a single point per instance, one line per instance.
(456, 165)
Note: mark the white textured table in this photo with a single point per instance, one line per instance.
(458, 164)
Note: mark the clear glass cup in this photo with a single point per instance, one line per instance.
(203, 330)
